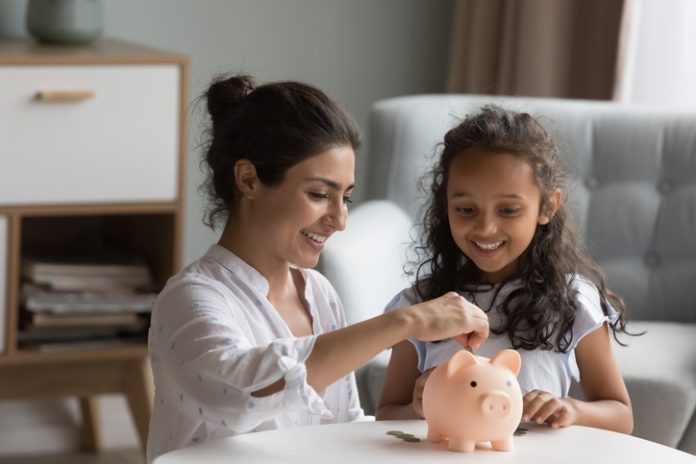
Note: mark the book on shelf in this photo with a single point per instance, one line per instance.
(117, 320)
(39, 299)
(99, 271)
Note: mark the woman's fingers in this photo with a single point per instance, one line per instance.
(452, 316)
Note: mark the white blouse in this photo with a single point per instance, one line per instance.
(215, 338)
(548, 370)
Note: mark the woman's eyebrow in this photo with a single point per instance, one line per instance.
(331, 183)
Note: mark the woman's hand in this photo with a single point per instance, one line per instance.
(417, 401)
(451, 316)
(543, 407)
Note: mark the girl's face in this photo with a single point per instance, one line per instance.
(294, 219)
(493, 207)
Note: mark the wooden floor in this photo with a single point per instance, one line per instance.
(127, 456)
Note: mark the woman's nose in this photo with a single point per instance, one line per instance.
(338, 215)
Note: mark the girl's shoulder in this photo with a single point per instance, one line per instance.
(406, 297)
(585, 290)
(590, 311)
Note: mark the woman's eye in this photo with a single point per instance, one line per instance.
(347, 200)
(319, 195)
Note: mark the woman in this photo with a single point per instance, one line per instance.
(248, 337)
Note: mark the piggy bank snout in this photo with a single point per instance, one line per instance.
(496, 404)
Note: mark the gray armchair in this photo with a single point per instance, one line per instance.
(634, 198)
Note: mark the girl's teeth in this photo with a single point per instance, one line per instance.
(488, 246)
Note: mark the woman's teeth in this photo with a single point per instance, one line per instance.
(315, 237)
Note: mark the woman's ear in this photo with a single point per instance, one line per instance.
(245, 178)
(551, 206)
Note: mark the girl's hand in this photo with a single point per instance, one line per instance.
(417, 401)
(451, 316)
(540, 406)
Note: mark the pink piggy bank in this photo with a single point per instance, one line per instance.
(471, 399)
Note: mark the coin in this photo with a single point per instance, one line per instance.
(394, 432)
(412, 439)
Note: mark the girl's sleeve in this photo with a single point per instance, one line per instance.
(407, 297)
(589, 316)
(211, 367)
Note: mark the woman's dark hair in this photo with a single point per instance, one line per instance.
(541, 312)
(275, 126)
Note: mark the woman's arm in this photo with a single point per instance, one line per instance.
(606, 403)
(396, 402)
(337, 353)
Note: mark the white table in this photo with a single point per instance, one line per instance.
(368, 442)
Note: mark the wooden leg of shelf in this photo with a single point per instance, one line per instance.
(139, 392)
(91, 436)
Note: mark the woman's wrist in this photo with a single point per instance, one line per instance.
(407, 321)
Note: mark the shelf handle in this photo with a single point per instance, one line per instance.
(64, 95)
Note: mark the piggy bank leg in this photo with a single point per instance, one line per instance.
(434, 435)
(504, 444)
(461, 445)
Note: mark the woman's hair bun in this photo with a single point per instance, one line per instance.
(226, 93)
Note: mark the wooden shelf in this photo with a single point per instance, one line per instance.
(89, 192)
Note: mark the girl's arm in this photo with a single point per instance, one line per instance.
(606, 404)
(396, 402)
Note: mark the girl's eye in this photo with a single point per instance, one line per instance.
(510, 211)
(347, 200)
(466, 211)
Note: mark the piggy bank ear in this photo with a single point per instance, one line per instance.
(510, 359)
(460, 359)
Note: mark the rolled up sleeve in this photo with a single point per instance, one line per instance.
(212, 366)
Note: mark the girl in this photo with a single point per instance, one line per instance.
(495, 231)
(248, 337)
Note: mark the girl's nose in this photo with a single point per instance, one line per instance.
(485, 224)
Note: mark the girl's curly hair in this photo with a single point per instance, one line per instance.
(541, 312)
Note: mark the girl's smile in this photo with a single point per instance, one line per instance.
(494, 208)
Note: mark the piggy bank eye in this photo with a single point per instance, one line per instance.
(509, 383)
(473, 383)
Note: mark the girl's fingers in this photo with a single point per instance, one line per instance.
(531, 403)
(547, 410)
(561, 418)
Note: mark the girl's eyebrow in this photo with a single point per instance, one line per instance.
(514, 196)
(330, 183)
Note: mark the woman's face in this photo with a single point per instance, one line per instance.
(493, 206)
(294, 219)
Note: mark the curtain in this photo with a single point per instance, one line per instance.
(548, 48)
(657, 62)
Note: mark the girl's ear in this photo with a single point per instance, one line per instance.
(245, 178)
(552, 205)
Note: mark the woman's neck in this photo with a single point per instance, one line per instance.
(241, 242)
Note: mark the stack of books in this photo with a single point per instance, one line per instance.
(73, 300)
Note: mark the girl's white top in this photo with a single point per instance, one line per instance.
(215, 338)
(548, 370)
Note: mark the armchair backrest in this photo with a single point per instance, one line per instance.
(633, 191)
